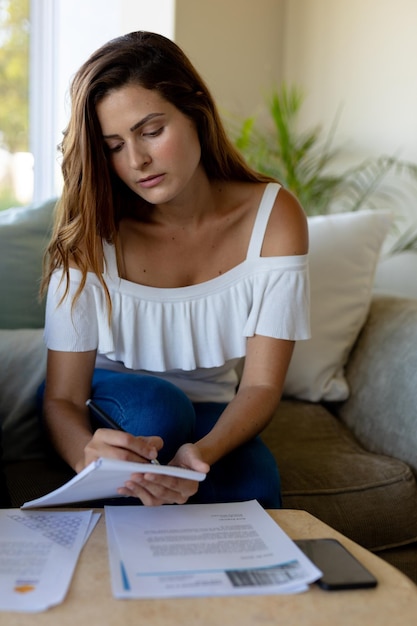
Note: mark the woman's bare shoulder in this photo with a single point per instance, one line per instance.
(287, 230)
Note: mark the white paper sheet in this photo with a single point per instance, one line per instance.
(200, 550)
(38, 554)
(102, 478)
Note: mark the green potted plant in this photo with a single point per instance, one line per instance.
(306, 162)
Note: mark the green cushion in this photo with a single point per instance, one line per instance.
(24, 234)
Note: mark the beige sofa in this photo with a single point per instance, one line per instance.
(344, 436)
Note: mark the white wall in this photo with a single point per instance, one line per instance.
(358, 54)
(237, 47)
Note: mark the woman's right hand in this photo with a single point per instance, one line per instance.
(117, 444)
(67, 419)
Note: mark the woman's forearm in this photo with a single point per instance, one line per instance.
(69, 430)
(245, 417)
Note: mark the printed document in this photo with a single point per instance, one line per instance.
(202, 550)
(38, 554)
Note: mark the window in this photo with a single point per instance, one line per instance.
(42, 43)
(16, 161)
(28, 153)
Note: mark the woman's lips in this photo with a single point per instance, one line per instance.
(151, 181)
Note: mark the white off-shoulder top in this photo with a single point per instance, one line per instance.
(193, 336)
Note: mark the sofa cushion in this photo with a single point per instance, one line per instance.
(344, 250)
(382, 373)
(369, 497)
(27, 480)
(23, 359)
(23, 236)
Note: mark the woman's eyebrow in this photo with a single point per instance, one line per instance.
(144, 121)
(141, 122)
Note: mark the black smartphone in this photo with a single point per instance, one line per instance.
(341, 570)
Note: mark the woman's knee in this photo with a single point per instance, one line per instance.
(146, 405)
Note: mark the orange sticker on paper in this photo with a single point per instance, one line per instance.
(24, 588)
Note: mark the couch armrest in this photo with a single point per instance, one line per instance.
(382, 375)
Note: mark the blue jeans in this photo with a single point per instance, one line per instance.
(147, 405)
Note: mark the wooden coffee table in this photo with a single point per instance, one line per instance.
(90, 602)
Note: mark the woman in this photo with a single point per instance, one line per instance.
(170, 261)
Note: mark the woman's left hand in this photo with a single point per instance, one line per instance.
(157, 489)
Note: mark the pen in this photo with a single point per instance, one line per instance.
(108, 421)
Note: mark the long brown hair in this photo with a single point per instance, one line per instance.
(93, 199)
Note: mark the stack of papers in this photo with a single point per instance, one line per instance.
(202, 550)
(38, 554)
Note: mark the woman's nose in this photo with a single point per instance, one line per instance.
(138, 158)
